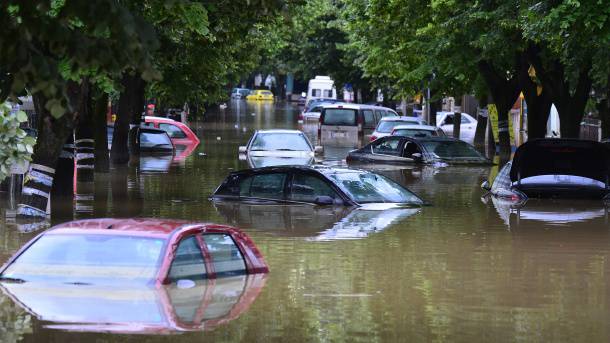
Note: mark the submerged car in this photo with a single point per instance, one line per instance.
(387, 124)
(316, 185)
(279, 147)
(557, 168)
(260, 94)
(149, 252)
(179, 133)
(407, 150)
(417, 131)
(239, 93)
(313, 109)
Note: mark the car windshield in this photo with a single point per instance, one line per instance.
(88, 258)
(280, 141)
(415, 133)
(364, 187)
(266, 93)
(452, 150)
(387, 126)
(339, 116)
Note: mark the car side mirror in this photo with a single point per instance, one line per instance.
(318, 149)
(324, 200)
(486, 186)
(242, 150)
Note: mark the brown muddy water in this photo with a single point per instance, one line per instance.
(464, 269)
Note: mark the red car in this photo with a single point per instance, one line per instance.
(134, 251)
(180, 133)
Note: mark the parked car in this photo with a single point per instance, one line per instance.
(557, 168)
(177, 131)
(347, 124)
(401, 150)
(136, 309)
(417, 131)
(279, 147)
(133, 251)
(260, 94)
(387, 124)
(468, 125)
(239, 93)
(316, 185)
(150, 140)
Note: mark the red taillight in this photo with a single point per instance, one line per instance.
(373, 138)
(300, 116)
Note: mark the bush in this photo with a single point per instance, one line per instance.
(15, 146)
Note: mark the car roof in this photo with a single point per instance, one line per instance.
(401, 118)
(353, 106)
(324, 170)
(135, 226)
(280, 131)
(160, 119)
(416, 126)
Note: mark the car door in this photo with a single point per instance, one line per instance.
(468, 128)
(388, 150)
(264, 187)
(307, 188)
(446, 124)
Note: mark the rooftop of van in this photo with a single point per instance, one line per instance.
(352, 106)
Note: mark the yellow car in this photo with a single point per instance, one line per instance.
(260, 94)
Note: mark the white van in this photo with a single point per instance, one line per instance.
(321, 87)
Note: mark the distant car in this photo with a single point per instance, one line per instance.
(151, 252)
(400, 150)
(315, 185)
(279, 147)
(417, 131)
(468, 125)
(556, 168)
(177, 131)
(387, 124)
(239, 93)
(347, 124)
(260, 94)
(314, 109)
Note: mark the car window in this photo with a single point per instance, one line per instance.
(464, 120)
(410, 149)
(317, 109)
(418, 133)
(270, 186)
(281, 142)
(153, 139)
(387, 126)
(173, 131)
(328, 93)
(369, 118)
(226, 257)
(340, 116)
(365, 187)
(452, 149)
(316, 92)
(391, 114)
(387, 146)
(188, 262)
(448, 120)
(379, 114)
(307, 188)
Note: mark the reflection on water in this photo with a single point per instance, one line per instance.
(143, 310)
(454, 271)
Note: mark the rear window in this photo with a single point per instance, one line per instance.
(388, 126)
(339, 116)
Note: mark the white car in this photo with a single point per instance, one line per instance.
(468, 125)
(387, 124)
(418, 131)
(279, 147)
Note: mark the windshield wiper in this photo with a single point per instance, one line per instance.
(11, 279)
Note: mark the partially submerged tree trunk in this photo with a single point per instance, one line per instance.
(457, 118)
(131, 105)
(482, 115)
(52, 135)
(504, 92)
(100, 135)
(570, 105)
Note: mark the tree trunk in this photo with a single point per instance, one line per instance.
(570, 105)
(482, 115)
(100, 135)
(537, 99)
(603, 107)
(131, 104)
(504, 93)
(52, 135)
(457, 117)
(84, 141)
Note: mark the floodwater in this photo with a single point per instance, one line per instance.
(464, 269)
